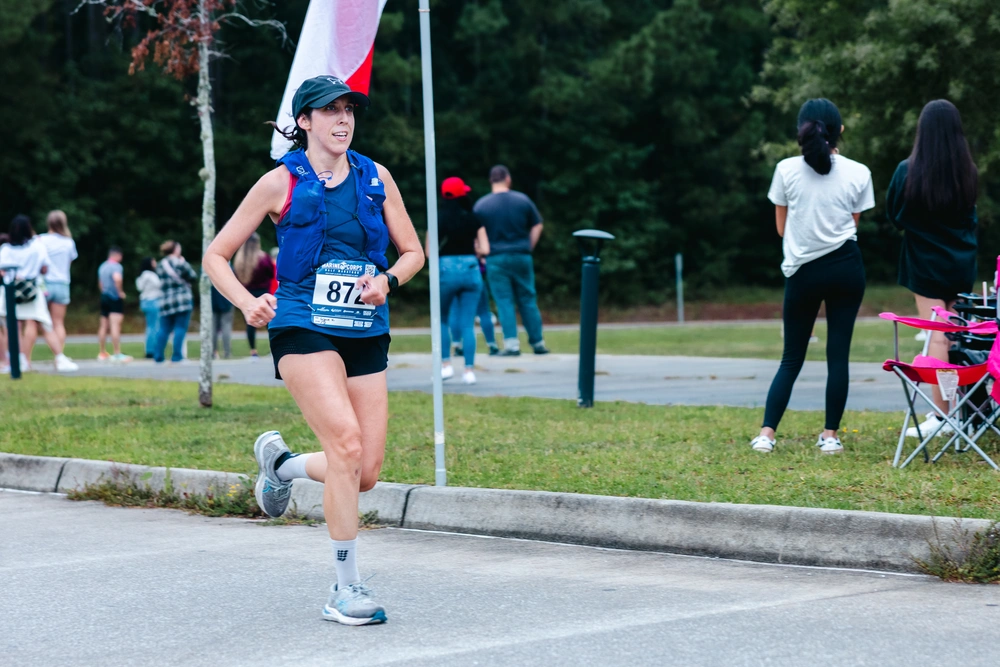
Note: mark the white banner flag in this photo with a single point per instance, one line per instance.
(338, 37)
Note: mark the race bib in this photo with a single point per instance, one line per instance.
(336, 301)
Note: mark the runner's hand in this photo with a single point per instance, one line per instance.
(260, 311)
(374, 290)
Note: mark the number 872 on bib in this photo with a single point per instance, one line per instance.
(336, 301)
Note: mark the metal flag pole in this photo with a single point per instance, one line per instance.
(430, 151)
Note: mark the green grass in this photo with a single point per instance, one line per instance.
(872, 341)
(622, 449)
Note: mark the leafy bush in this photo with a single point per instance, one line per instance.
(972, 559)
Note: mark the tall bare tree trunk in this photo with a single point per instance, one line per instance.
(207, 174)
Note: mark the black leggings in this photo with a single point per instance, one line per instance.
(839, 280)
(252, 331)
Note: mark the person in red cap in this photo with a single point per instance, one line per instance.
(462, 243)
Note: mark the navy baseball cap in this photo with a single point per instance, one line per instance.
(317, 92)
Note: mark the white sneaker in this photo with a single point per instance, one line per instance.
(469, 377)
(447, 372)
(927, 427)
(829, 445)
(813, 339)
(762, 443)
(25, 364)
(921, 336)
(65, 365)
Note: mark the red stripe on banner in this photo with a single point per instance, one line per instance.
(362, 78)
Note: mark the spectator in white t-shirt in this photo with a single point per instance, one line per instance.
(32, 261)
(818, 199)
(62, 251)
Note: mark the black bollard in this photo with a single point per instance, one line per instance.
(13, 344)
(590, 242)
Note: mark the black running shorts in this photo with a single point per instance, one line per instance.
(109, 305)
(362, 356)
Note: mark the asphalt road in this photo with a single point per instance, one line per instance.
(85, 584)
(641, 379)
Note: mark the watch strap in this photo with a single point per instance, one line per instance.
(393, 282)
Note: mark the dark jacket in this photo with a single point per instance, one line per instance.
(457, 227)
(938, 257)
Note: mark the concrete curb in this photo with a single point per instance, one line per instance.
(50, 474)
(79, 473)
(776, 534)
(30, 473)
(766, 533)
(388, 499)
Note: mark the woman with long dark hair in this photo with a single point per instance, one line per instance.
(818, 199)
(932, 199)
(336, 212)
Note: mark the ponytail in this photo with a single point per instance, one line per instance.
(815, 143)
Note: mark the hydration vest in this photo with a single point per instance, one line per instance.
(302, 231)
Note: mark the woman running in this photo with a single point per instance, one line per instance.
(932, 199)
(818, 199)
(335, 211)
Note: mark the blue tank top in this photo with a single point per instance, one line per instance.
(345, 238)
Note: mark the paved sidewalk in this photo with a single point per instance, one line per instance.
(160, 587)
(642, 379)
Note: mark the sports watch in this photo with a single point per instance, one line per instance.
(393, 282)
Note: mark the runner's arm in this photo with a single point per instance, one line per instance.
(403, 236)
(265, 198)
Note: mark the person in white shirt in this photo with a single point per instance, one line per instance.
(62, 251)
(150, 292)
(818, 199)
(25, 252)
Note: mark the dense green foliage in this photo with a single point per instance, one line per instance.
(657, 120)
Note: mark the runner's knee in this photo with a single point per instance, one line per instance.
(370, 473)
(345, 449)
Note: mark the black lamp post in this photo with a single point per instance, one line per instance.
(13, 344)
(590, 242)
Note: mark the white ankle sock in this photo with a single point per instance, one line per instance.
(293, 468)
(345, 561)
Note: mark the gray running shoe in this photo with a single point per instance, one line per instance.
(353, 605)
(271, 493)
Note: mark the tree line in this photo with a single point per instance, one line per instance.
(659, 121)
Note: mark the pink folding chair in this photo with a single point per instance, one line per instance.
(927, 370)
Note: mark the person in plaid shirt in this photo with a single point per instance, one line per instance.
(177, 301)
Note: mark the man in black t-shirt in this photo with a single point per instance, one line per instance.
(513, 226)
